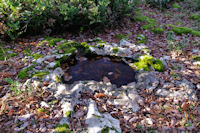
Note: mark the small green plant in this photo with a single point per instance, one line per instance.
(4, 55)
(24, 73)
(195, 17)
(141, 39)
(176, 5)
(14, 86)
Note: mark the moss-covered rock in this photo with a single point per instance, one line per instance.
(146, 61)
(158, 65)
(115, 50)
(67, 47)
(37, 56)
(50, 41)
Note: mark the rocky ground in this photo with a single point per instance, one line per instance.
(34, 98)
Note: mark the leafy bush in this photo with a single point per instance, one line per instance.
(159, 3)
(192, 4)
(19, 16)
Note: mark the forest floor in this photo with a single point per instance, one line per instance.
(168, 115)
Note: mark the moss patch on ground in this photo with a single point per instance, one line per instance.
(24, 73)
(62, 128)
(185, 30)
(40, 74)
(37, 56)
(121, 36)
(151, 25)
(195, 17)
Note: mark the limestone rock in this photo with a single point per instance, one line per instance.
(146, 80)
(185, 90)
(97, 121)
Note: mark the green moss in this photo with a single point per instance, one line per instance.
(58, 64)
(185, 30)
(67, 47)
(24, 73)
(195, 33)
(158, 30)
(27, 52)
(194, 17)
(40, 110)
(141, 18)
(146, 50)
(40, 74)
(121, 36)
(196, 58)
(105, 130)
(181, 30)
(85, 46)
(37, 56)
(5, 55)
(115, 50)
(158, 65)
(142, 65)
(146, 61)
(62, 128)
(175, 5)
(50, 41)
(68, 113)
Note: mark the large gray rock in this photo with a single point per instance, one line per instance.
(146, 80)
(184, 89)
(97, 121)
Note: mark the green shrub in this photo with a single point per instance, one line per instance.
(159, 3)
(175, 5)
(19, 16)
(195, 17)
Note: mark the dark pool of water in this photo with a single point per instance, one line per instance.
(118, 73)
